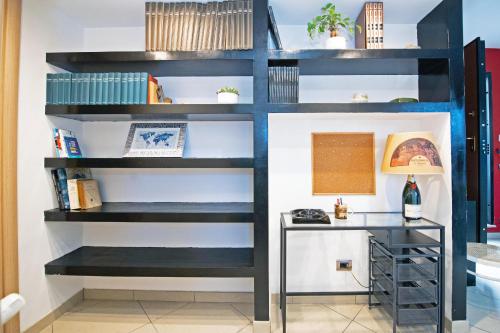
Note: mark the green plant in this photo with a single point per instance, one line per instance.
(331, 20)
(228, 90)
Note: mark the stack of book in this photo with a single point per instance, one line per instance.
(193, 26)
(371, 21)
(66, 144)
(284, 84)
(75, 189)
(98, 88)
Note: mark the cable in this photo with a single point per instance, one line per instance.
(358, 281)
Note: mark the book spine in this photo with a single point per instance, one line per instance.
(124, 89)
(79, 84)
(74, 91)
(111, 88)
(118, 88)
(55, 181)
(144, 88)
(81, 194)
(130, 88)
(60, 88)
(148, 25)
(105, 88)
(98, 99)
(74, 201)
(48, 89)
(93, 89)
(67, 88)
(381, 25)
(137, 88)
(86, 88)
(63, 187)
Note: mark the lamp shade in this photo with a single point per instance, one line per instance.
(411, 153)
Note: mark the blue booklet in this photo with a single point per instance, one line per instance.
(62, 180)
(72, 147)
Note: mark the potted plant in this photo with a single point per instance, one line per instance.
(227, 95)
(334, 22)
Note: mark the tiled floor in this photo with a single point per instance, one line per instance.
(175, 317)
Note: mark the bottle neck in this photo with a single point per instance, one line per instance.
(411, 179)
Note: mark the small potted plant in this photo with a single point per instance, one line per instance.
(334, 22)
(227, 95)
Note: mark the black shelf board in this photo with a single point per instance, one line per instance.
(421, 107)
(154, 262)
(405, 239)
(359, 62)
(179, 63)
(177, 212)
(194, 112)
(153, 162)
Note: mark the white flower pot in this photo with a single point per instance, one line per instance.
(336, 43)
(227, 98)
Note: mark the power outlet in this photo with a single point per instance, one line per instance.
(344, 265)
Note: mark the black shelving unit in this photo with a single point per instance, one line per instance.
(161, 212)
(155, 261)
(439, 65)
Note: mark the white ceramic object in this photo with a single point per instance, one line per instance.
(227, 98)
(360, 98)
(336, 43)
(10, 306)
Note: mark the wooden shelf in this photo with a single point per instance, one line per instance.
(423, 107)
(195, 112)
(177, 212)
(154, 262)
(154, 162)
(195, 63)
(362, 62)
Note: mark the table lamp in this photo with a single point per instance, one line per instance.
(411, 153)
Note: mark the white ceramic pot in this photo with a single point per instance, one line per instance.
(336, 43)
(227, 98)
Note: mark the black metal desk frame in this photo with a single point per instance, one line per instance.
(346, 225)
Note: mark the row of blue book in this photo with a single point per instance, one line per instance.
(97, 88)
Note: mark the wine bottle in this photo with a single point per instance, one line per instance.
(412, 203)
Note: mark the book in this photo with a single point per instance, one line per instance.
(63, 187)
(48, 89)
(117, 88)
(369, 20)
(78, 173)
(99, 88)
(88, 193)
(143, 93)
(130, 88)
(274, 29)
(71, 145)
(166, 27)
(67, 88)
(105, 88)
(137, 88)
(380, 16)
(124, 89)
(93, 89)
(57, 190)
(148, 25)
(86, 88)
(152, 90)
(154, 23)
(160, 18)
(58, 143)
(111, 88)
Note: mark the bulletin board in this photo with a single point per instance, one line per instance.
(343, 163)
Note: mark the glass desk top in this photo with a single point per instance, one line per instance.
(362, 221)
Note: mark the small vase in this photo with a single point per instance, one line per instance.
(227, 98)
(336, 43)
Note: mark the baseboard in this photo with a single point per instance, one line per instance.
(316, 299)
(56, 313)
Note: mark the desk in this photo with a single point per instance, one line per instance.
(391, 223)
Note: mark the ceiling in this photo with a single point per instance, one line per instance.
(130, 13)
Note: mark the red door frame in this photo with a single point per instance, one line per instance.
(493, 66)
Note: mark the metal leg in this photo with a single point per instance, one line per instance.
(441, 266)
(394, 295)
(281, 264)
(283, 300)
(370, 287)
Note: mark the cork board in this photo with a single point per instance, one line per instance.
(343, 163)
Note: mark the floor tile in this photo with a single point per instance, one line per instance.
(102, 316)
(335, 299)
(47, 329)
(223, 297)
(148, 328)
(165, 296)
(247, 329)
(375, 319)
(156, 310)
(314, 318)
(109, 294)
(483, 319)
(203, 318)
(348, 310)
(477, 330)
(354, 327)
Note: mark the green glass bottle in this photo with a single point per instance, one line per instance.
(412, 202)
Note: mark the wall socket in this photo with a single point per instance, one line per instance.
(344, 265)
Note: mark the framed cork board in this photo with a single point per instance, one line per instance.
(343, 163)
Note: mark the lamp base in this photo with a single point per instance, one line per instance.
(411, 200)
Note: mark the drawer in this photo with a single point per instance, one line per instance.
(400, 239)
(417, 316)
(417, 269)
(416, 292)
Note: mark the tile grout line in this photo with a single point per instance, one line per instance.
(184, 304)
(345, 329)
(149, 318)
(243, 328)
(244, 315)
(357, 322)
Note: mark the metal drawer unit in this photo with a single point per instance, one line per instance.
(405, 273)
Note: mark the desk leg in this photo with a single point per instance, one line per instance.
(283, 280)
(441, 280)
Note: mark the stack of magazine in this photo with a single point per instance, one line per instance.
(284, 84)
(194, 26)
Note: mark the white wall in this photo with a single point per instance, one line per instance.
(481, 20)
(43, 29)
